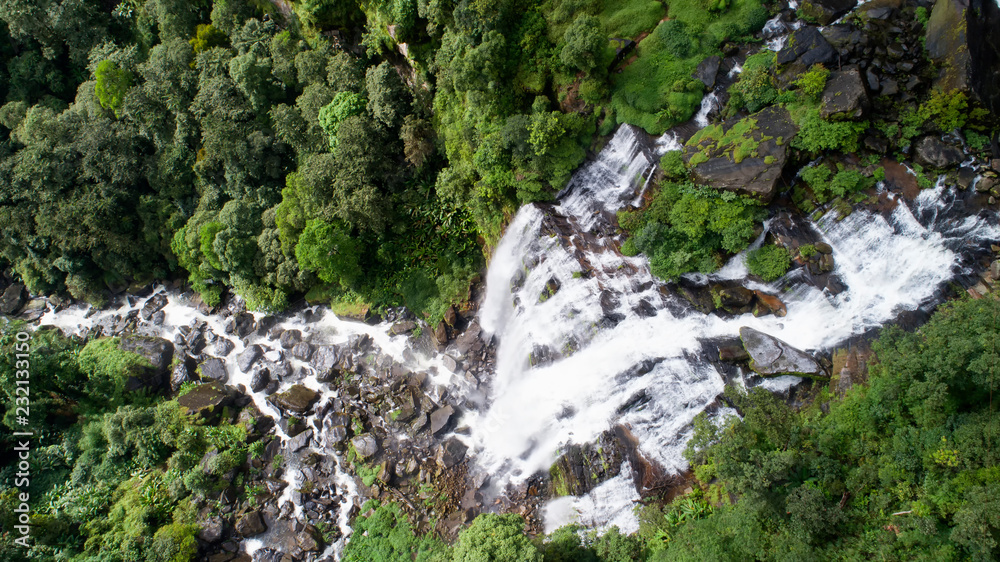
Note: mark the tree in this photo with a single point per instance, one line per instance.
(585, 44)
(327, 250)
(388, 99)
(344, 105)
(496, 538)
(112, 83)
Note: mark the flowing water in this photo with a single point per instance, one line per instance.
(616, 336)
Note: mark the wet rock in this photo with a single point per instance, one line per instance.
(241, 324)
(13, 300)
(469, 339)
(223, 347)
(158, 352)
(707, 71)
(441, 334)
(450, 316)
(733, 353)
(325, 360)
(823, 248)
(756, 174)
(250, 524)
(335, 436)
(212, 529)
(302, 351)
(965, 177)
(152, 305)
(735, 297)
(581, 468)
(826, 12)
(807, 46)
(985, 184)
(440, 418)
(300, 441)
(249, 356)
(770, 356)
(205, 401)
(179, 375)
(451, 452)
(403, 327)
(769, 304)
(213, 368)
(298, 399)
(365, 445)
(289, 338)
(260, 379)
(933, 152)
(995, 270)
(947, 44)
(844, 96)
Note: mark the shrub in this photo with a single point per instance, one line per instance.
(768, 262)
(811, 83)
(498, 538)
(672, 164)
(755, 88)
(816, 134)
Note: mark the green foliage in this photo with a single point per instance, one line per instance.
(755, 88)
(207, 37)
(768, 262)
(687, 228)
(812, 82)
(585, 45)
(817, 134)
(672, 165)
(918, 440)
(108, 368)
(807, 250)
(498, 538)
(344, 105)
(325, 249)
(386, 535)
(111, 84)
(945, 110)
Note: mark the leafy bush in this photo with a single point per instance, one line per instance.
(386, 536)
(755, 88)
(499, 538)
(768, 262)
(812, 82)
(817, 134)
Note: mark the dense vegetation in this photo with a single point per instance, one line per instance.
(273, 156)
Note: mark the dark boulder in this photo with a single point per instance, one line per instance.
(807, 46)
(250, 524)
(249, 356)
(298, 399)
(153, 305)
(260, 379)
(325, 360)
(13, 299)
(300, 441)
(157, 353)
(402, 327)
(302, 351)
(762, 152)
(844, 96)
(707, 71)
(205, 401)
(211, 529)
(223, 347)
(179, 375)
(451, 452)
(440, 418)
(826, 11)
(770, 356)
(241, 324)
(289, 338)
(213, 368)
(933, 152)
(365, 445)
(947, 44)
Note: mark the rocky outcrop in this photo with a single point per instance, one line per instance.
(770, 356)
(752, 162)
(844, 97)
(826, 12)
(157, 353)
(250, 524)
(213, 368)
(205, 401)
(298, 399)
(13, 300)
(947, 44)
(807, 47)
(935, 153)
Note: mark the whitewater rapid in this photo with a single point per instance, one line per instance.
(888, 265)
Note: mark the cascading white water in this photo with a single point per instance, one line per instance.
(708, 103)
(888, 266)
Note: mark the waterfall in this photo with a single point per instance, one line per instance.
(619, 349)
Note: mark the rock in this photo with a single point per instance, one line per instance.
(449, 363)
(403, 327)
(212, 529)
(205, 401)
(441, 334)
(451, 452)
(179, 375)
(947, 44)
(966, 176)
(933, 152)
(289, 338)
(985, 184)
(249, 356)
(826, 12)
(440, 418)
(889, 87)
(13, 299)
(260, 379)
(995, 270)
(158, 317)
(250, 524)
(770, 356)
(223, 347)
(158, 352)
(36, 308)
(823, 248)
(707, 71)
(213, 368)
(335, 436)
(300, 441)
(241, 324)
(450, 316)
(325, 360)
(771, 304)
(735, 297)
(733, 353)
(152, 305)
(365, 445)
(469, 339)
(844, 96)
(756, 174)
(807, 46)
(302, 351)
(298, 399)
